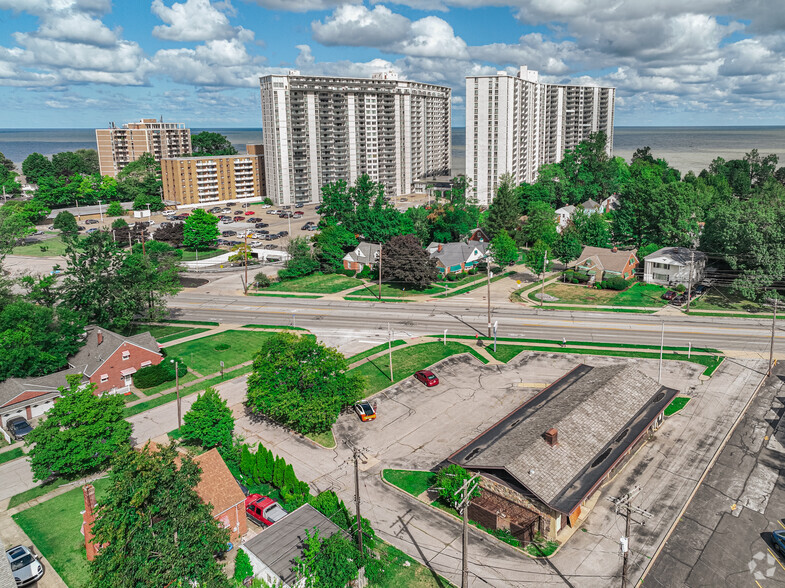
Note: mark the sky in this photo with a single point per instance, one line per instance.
(84, 63)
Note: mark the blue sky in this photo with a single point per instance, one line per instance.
(83, 63)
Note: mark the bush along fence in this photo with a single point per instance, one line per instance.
(153, 375)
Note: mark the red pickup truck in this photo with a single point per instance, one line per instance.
(264, 510)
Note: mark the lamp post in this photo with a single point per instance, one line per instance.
(100, 212)
(177, 387)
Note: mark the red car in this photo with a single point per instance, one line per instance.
(264, 510)
(249, 212)
(427, 377)
(239, 219)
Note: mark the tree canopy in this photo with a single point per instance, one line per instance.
(404, 261)
(301, 260)
(200, 230)
(504, 213)
(207, 143)
(503, 249)
(209, 422)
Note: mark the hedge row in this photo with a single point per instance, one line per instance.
(153, 375)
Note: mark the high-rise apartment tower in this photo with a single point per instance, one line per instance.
(515, 124)
(323, 129)
(119, 146)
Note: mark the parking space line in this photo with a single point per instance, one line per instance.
(758, 583)
(775, 557)
(780, 522)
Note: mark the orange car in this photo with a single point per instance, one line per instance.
(365, 411)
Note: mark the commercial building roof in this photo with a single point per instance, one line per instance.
(598, 413)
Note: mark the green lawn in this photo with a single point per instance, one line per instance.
(374, 298)
(505, 352)
(399, 575)
(179, 335)
(284, 295)
(678, 403)
(191, 254)
(54, 247)
(316, 284)
(719, 298)
(468, 279)
(202, 355)
(396, 290)
(405, 362)
(363, 354)
(11, 455)
(639, 294)
(474, 286)
(275, 327)
(54, 526)
(413, 482)
(325, 439)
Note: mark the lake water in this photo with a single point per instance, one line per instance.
(685, 148)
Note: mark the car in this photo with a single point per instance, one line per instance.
(273, 212)
(306, 227)
(263, 232)
(91, 221)
(670, 295)
(298, 213)
(313, 228)
(228, 233)
(261, 225)
(287, 207)
(238, 219)
(264, 510)
(239, 211)
(267, 205)
(778, 539)
(404, 200)
(18, 427)
(285, 214)
(24, 565)
(365, 411)
(168, 212)
(80, 228)
(700, 289)
(249, 212)
(427, 377)
(93, 230)
(299, 205)
(679, 300)
(283, 233)
(214, 209)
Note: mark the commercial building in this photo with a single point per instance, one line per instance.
(117, 147)
(218, 178)
(319, 130)
(515, 124)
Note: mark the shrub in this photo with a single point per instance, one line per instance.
(453, 277)
(242, 566)
(365, 273)
(346, 272)
(262, 280)
(582, 277)
(449, 480)
(222, 347)
(153, 375)
(617, 284)
(680, 288)
(115, 209)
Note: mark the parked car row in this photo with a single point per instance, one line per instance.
(677, 299)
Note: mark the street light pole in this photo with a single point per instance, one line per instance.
(100, 212)
(177, 388)
(771, 349)
(662, 345)
(488, 272)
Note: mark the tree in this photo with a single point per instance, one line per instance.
(449, 481)
(140, 181)
(115, 209)
(65, 222)
(301, 383)
(328, 563)
(328, 503)
(153, 528)
(241, 252)
(200, 230)
(503, 249)
(173, 234)
(278, 472)
(301, 260)
(567, 247)
(247, 461)
(206, 143)
(79, 434)
(209, 423)
(592, 229)
(242, 566)
(119, 224)
(15, 224)
(540, 224)
(8, 181)
(420, 225)
(504, 213)
(404, 261)
(331, 244)
(536, 256)
(647, 250)
(37, 340)
(151, 202)
(36, 166)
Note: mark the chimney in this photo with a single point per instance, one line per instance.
(100, 336)
(614, 250)
(440, 246)
(88, 518)
(551, 437)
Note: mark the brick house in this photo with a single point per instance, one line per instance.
(109, 360)
(364, 255)
(219, 489)
(602, 263)
(551, 454)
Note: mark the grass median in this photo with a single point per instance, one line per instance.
(415, 482)
(316, 284)
(11, 455)
(232, 347)
(368, 352)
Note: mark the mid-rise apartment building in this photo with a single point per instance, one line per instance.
(215, 178)
(323, 129)
(119, 146)
(515, 124)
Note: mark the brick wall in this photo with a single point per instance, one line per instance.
(115, 364)
(486, 518)
(547, 516)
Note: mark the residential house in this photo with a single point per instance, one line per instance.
(671, 266)
(563, 217)
(106, 359)
(109, 360)
(479, 235)
(602, 263)
(550, 455)
(457, 257)
(591, 206)
(364, 255)
(273, 551)
(610, 203)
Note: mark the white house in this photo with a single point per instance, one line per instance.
(671, 266)
(563, 216)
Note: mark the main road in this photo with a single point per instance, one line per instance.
(468, 316)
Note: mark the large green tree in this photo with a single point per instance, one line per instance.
(404, 261)
(332, 243)
(540, 224)
(301, 261)
(504, 213)
(200, 230)
(592, 228)
(154, 528)
(207, 143)
(140, 181)
(36, 166)
(536, 257)
(209, 422)
(79, 434)
(301, 383)
(568, 246)
(503, 249)
(65, 222)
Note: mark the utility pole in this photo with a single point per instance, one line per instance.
(689, 280)
(625, 503)
(245, 255)
(357, 453)
(389, 349)
(771, 349)
(488, 269)
(662, 345)
(380, 272)
(462, 506)
(100, 212)
(495, 327)
(544, 267)
(177, 384)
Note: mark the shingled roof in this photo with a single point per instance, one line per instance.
(93, 354)
(598, 414)
(14, 390)
(456, 253)
(217, 485)
(613, 260)
(675, 256)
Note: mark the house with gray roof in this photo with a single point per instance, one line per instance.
(364, 255)
(671, 266)
(274, 551)
(554, 451)
(457, 257)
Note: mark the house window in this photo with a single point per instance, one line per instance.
(126, 355)
(146, 363)
(661, 277)
(104, 377)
